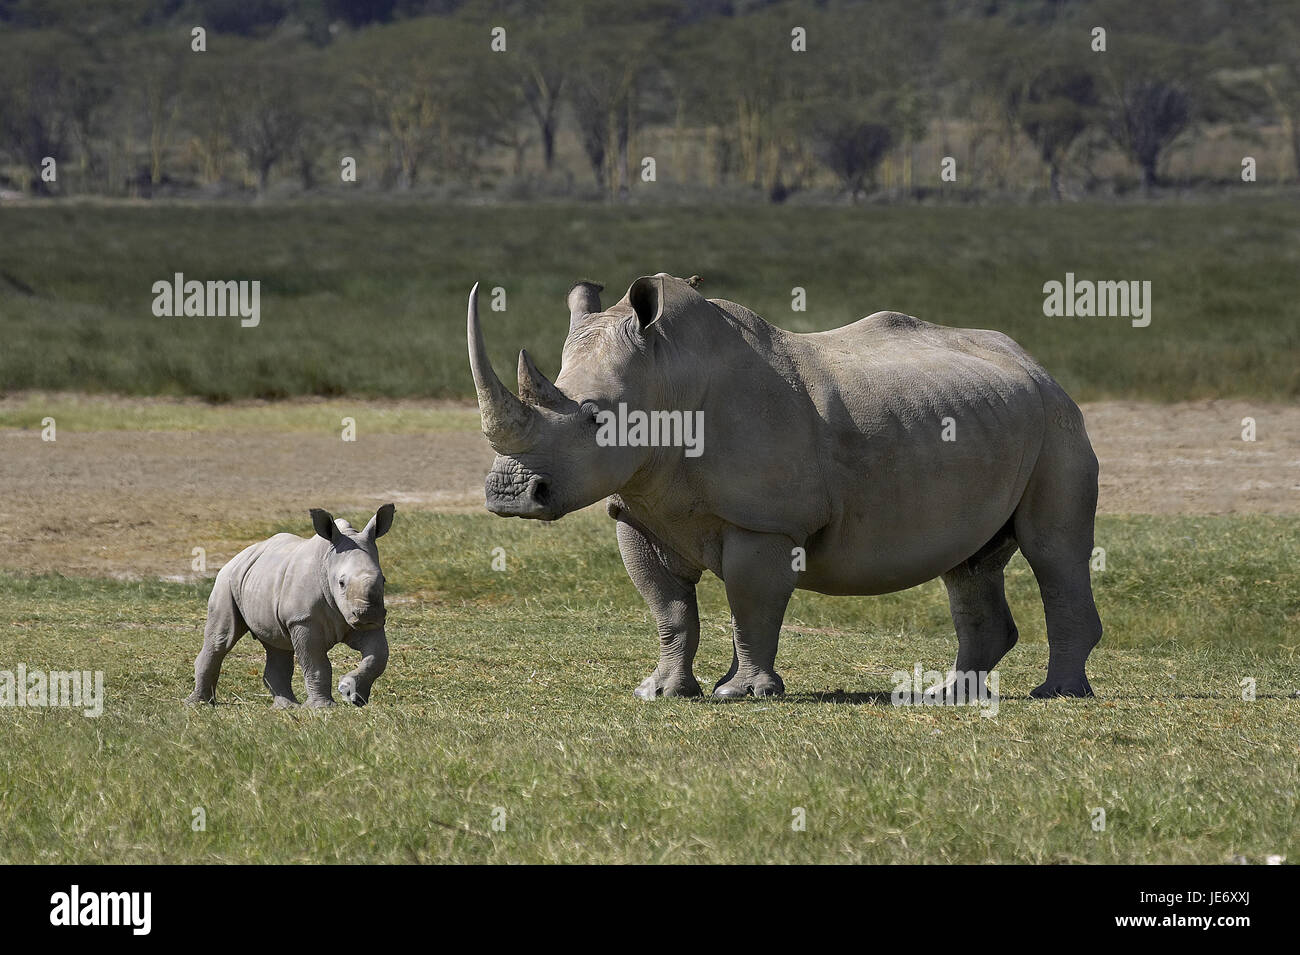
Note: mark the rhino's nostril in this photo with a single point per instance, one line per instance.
(524, 494)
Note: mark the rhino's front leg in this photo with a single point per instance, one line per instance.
(667, 584)
(759, 575)
(373, 647)
(313, 657)
(278, 677)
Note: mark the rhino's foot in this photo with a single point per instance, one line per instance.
(677, 684)
(319, 702)
(954, 692)
(197, 697)
(757, 684)
(1054, 688)
(349, 690)
(284, 703)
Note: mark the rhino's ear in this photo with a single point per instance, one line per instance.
(324, 523)
(380, 523)
(646, 296)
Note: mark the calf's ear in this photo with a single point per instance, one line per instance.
(324, 523)
(380, 523)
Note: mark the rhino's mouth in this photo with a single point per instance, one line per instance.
(369, 619)
(514, 491)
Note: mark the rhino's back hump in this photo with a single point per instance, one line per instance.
(887, 385)
(913, 414)
(888, 330)
(890, 350)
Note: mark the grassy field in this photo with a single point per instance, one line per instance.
(368, 298)
(81, 412)
(513, 690)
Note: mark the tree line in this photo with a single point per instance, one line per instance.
(149, 97)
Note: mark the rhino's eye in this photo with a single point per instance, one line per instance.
(589, 410)
(340, 581)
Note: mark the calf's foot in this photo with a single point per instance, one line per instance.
(351, 691)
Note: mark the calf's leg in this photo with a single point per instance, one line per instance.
(225, 625)
(317, 673)
(373, 647)
(278, 676)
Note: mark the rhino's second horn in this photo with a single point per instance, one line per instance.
(536, 389)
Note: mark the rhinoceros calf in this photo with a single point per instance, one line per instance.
(862, 460)
(300, 597)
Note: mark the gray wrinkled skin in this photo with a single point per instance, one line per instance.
(830, 442)
(301, 597)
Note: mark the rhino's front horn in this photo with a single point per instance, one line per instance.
(536, 389)
(506, 419)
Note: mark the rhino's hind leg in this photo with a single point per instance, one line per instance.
(759, 578)
(278, 676)
(667, 585)
(1054, 527)
(1073, 626)
(978, 602)
(224, 627)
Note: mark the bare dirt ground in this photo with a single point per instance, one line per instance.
(135, 503)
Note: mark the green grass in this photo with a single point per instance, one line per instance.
(514, 690)
(79, 412)
(368, 298)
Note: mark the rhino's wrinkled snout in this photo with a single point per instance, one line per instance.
(511, 490)
(370, 618)
(365, 608)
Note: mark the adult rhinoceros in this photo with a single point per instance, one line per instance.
(862, 460)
